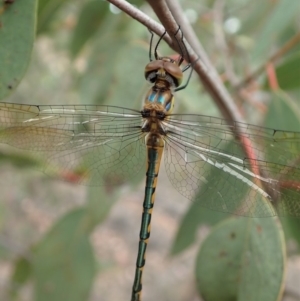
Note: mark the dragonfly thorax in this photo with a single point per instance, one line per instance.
(159, 99)
(153, 116)
(166, 75)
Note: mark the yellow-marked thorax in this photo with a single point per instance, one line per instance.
(165, 75)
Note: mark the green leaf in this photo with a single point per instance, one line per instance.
(64, 265)
(19, 159)
(100, 201)
(46, 10)
(17, 32)
(242, 259)
(291, 228)
(288, 73)
(197, 214)
(21, 274)
(277, 22)
(283, 113)
(254, 15)
(109, 78)
(90, 19)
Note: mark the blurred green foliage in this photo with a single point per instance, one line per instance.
(230, 263)
(16, 41)
(86, 54)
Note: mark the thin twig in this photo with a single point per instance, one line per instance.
(141, 17)
(189, 32)
(220, 40)
(205, 70)
(202, 67)
(277, 55)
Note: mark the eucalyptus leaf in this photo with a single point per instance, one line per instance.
(242, 259)
(17, 33)
(64, 264)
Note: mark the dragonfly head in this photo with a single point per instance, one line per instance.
(164, 70)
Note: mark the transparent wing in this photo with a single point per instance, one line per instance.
(202, 158)
(104, 142)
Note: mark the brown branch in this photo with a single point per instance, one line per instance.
(141, 17)
(207, 73)
(189, 33)
(205, 70)
(165, 10)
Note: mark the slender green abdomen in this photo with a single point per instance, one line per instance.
(154, 158)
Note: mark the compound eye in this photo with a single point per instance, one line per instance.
(151, 70)
(175, 72)
(151, 76)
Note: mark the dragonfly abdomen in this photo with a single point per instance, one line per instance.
(155, 145)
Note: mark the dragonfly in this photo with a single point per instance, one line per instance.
(203, 157)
